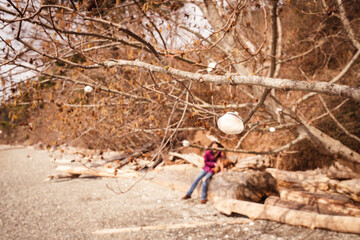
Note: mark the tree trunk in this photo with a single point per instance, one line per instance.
(324, 202)
(97, 172)
(330, 146)
(252, 186)
(341, 172)
(312, 181)
(258, 162)
(276, 201)
(293, 217)
(350, 188)
(192, 158)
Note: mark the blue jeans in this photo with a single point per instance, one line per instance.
(206, 180)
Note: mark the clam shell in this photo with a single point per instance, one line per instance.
(231, 123)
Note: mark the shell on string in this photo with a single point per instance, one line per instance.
(186, 143)
(211, 66)
(231, 123)
(88, 89)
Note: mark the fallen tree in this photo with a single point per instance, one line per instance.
(252, 186)
(350, 188)
(276, 201)
(292, 217)
(192, 158)
(96, 172)
(228, 190)
(341, 172)
(117, 76)
(315, 181)
(322, 202)
(258, 162)
(311, 180)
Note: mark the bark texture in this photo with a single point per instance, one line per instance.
(288, 216)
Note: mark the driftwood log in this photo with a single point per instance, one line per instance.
(97, 172)
(251, 186)
(341, 172)
(323, 202)
(312, 181)
(192, 158)
(258, 162)
(105, 167)
(309, 197)
(351, 188)
(316, 181)
(276, 201)
(125, 159)
(292, 217)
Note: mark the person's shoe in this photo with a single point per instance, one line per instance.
(203, 201)
(186, 197)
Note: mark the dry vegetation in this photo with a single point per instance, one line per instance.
(131, 106)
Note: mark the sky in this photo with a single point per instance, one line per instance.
(10, 72)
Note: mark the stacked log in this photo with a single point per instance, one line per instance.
(312, 181)
(316, 181)
(337, 204)
(351, 188)
(192, 158)
(252, 186)
(341, 172)
(258, 162)
(315, 199)
(100, 166)
(279, 202)
(292, 217)
(97, 172)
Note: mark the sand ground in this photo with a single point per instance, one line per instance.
(84, 208)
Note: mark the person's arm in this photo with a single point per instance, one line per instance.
(207, 159)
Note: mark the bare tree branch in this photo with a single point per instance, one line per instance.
(245, 135)
(277, 150)
(258, 104)
(336, 121)
(335, 79)
(283, 84)
(347, 26)
(327, 113)
(274, 36)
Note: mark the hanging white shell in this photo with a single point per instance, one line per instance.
(211, 66)
(231, 123)
(88, 89)
(186, 143)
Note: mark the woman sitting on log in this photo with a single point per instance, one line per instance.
(212, 160)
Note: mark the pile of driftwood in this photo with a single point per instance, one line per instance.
(318, 198)
(83, 162)
(328, 199)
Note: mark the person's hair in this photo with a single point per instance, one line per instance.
(219, 146)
